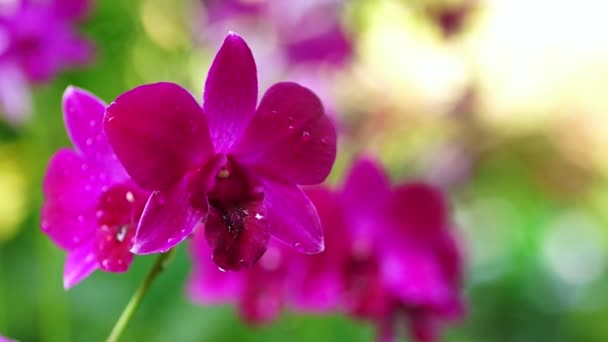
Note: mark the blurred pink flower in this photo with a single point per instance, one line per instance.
(307, 31)
(91, 206)
(37, 40)
(259, 292)
(390, 253)
(237, 167)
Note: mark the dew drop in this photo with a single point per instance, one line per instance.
(92, 123)
(76, 239)
(105, 263)
(111, 118)
(324, 141)
(89, 258)
(258, 216)
(171, 240)
(121, 234)
(221, 269)
(99, 213)
(306, 136)
(89, 142)
(291, 127)
(80, 218)
(120, 262)
(183, 232)
(274, 112)
(129, 197)
(87, 187)
(297, 245)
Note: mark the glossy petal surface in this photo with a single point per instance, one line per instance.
(231, 92)
(159, 133)
(290, 136)
(71, 188)
(292, 218)
(80, 263)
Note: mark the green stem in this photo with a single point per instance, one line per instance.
(139, 294)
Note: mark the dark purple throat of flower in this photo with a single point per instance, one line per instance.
(235, 227)
(118, 211)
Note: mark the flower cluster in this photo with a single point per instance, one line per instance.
(390, 254)
(37, 40)
(154, 164)
(155, 167)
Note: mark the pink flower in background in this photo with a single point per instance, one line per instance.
(390, 253)
(234, 166)
(421, 261)
(37, 40)
(306, 31)
(259, 292)
(91, 206)
(5, 339)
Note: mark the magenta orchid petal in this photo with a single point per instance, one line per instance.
(292, 218)
(83, 115)
(171, 215)
(207, 284)
(80, 263)
(72, 9)
(414, 277)
(238, 236)
(231, 92)
(71, 187)
(290, 136)
(421, 208)
(366, 188)
(159, 133)
(262, 299)
(423, 327)
(117, 211)
(167, 220)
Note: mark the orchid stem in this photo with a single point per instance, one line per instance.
(129, 311)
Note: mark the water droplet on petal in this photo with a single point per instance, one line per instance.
(171, 240)
(111, 118)
(306, 136)
(259, 216)
(324, 141)
(89, 142)
(221, 269)
(297, 245)
(120, 262)
(92, 123)
(129, 197)
(80, 218)
(121, 234)
(76, 239)
(105, 263)
(291, 127)
(87, 187)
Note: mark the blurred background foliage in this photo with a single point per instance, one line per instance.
(505, 109)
